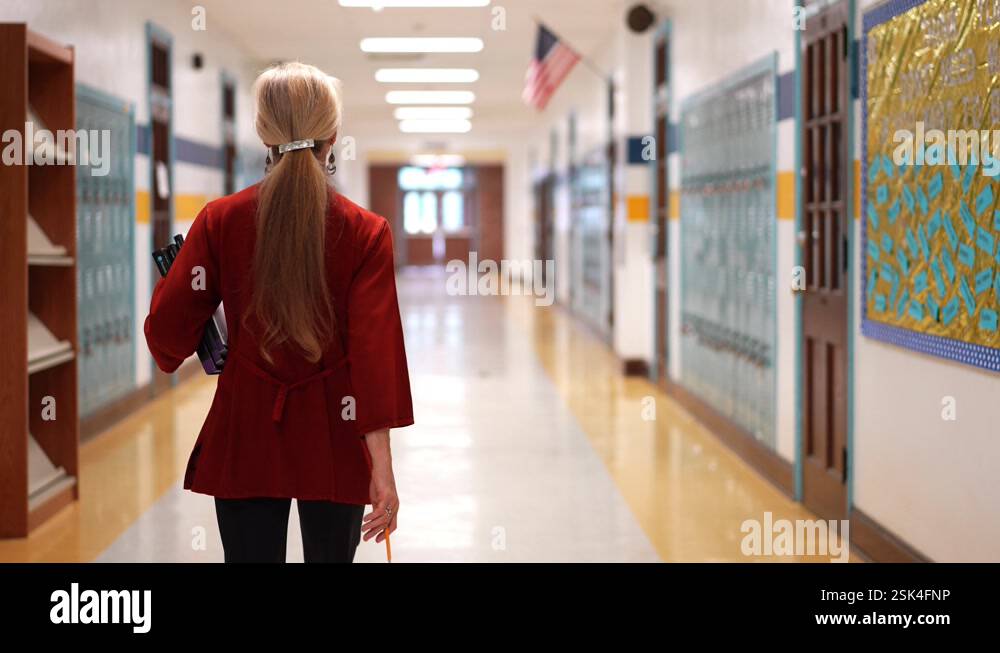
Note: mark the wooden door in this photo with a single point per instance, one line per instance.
(612, 159)
(823, 240)
(661, 206)
(385, 200)
(229, 138)
(161, 194)
(544, 230)
(486, 228)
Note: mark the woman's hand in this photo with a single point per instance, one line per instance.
(382, 490)
(385, 507)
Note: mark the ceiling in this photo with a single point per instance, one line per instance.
(323, 33)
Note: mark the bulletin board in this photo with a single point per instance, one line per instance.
(728, 247)
(931, 226)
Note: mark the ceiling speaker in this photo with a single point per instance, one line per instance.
(640, 18)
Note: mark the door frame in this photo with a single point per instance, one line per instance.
(608, 153)
(226, 80)
(663, 33)
(542, 189)
(160, 36)
(851, 224)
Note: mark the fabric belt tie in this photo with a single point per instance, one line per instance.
(284, 388)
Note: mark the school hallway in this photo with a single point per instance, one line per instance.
(668, 290)
(529, 446)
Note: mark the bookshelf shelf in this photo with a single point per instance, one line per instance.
(41, 251)
(39, 426)
(44, 349)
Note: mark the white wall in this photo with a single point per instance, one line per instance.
(633, 276)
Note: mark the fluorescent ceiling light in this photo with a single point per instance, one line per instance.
(426, 75)
(433, 113)
(422, 44)
(435, 126)
(380, 4)
(430, 97)
(438, 160)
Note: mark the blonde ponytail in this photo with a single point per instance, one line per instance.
(291, 300)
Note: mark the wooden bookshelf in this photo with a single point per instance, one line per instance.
(38, 456)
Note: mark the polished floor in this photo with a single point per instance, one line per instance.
(530, 446)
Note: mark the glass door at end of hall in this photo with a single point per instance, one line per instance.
(435, 216)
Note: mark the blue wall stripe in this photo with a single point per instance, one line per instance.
(635, 148)
(198, 153)
(786, 95)
(143, 142)
(854, 67)
(186, 150)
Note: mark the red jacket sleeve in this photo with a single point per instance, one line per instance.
(379, 375)
(184, 300)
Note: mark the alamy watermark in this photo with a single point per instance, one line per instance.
(509, 277)
(801, 537)
(89, 147)
(955, 147)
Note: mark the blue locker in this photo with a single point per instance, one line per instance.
(105, 250)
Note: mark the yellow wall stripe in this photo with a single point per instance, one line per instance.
(637, 208)
(857, 189)
(186, 206)
(786, 195)
(142, 210)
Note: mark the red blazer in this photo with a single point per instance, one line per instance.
(286, 429)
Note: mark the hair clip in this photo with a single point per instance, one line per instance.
(295, 145)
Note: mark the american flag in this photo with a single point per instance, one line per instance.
(552, 63)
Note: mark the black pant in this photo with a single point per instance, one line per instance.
(256, 530)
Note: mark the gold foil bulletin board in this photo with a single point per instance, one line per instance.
(931, 224)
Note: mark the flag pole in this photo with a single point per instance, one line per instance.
(585, 60)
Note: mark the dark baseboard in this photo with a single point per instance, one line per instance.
(635, 367)
(107, 416)
(768, 463)
(878, 544)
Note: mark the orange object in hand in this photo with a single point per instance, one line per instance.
(388, 547)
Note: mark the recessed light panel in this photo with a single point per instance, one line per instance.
(426, 75)
(430, 97)
(415, 4)
(421, 44)
(433, 113)
(435, 126)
